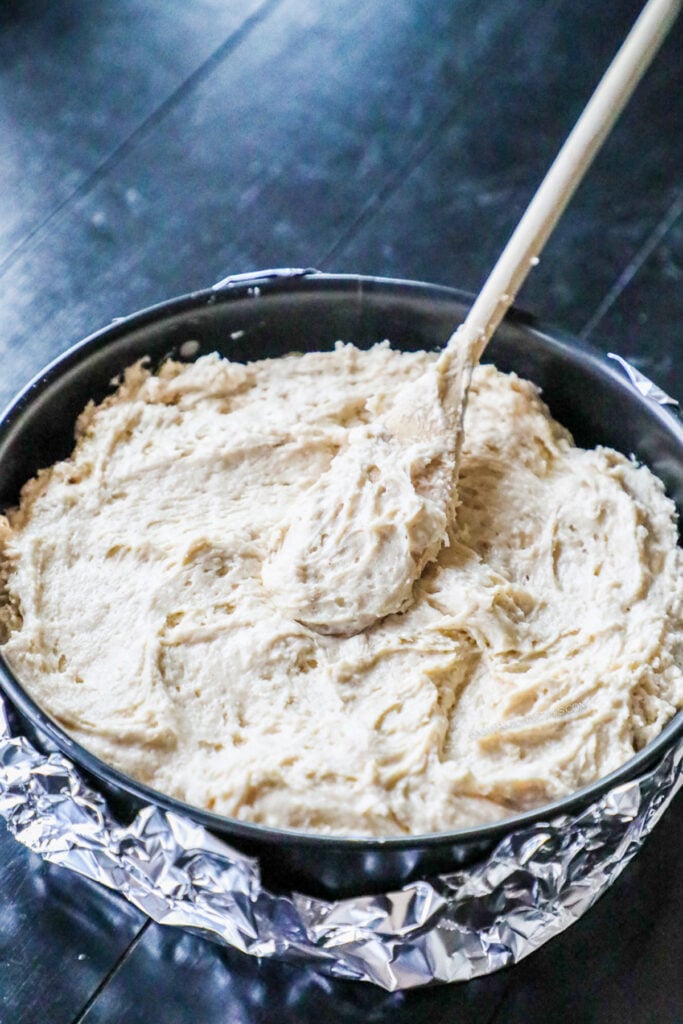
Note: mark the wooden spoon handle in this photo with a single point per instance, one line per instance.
(560, 183)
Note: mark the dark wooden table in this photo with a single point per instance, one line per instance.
(147, 149)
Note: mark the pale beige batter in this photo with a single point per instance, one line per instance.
(348, 552)
(540, 650)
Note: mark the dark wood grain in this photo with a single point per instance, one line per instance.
(77, 79)
(641, 314)
(449, 218)
(59, 936)
(267, 162)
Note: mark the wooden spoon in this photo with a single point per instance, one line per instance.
(366, 530)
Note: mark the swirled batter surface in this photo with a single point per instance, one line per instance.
(541, 648)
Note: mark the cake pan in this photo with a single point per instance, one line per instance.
(269, 314)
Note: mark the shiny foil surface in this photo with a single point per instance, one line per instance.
(533, 885)
(643, 384)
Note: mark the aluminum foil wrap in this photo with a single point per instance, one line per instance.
(643, 385)
(533, 885)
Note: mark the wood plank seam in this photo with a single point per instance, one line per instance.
(187, 86)
(100, 987)
(661, 229)
(420, 152)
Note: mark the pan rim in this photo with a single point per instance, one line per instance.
(242, 829)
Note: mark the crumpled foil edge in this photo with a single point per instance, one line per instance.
(643, 385)
(535, 883)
